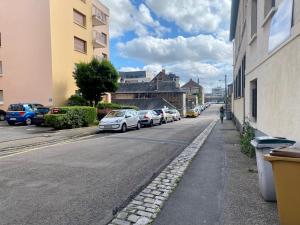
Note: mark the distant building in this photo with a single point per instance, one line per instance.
(217, 95)
(218, 92)
(194, 94)
(135, 77)
(162, 86)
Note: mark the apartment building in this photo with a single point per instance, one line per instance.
(135, 76)
(266, 40)
(40, 42)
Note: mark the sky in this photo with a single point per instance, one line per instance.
(187, 37)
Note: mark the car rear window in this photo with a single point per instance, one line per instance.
(115, 114)
(16, 107)
(143, 112)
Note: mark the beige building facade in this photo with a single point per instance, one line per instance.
(40, 42)
(266, 75)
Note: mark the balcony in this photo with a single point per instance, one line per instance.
(99, 40)
(98, 57)
(98, 17)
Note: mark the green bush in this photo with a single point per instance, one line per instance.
(248, 135)
(71, 117)
(76, 100)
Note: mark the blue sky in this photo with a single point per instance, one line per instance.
(186, 37)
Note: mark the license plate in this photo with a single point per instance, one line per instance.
(39, 116)
(13, 119)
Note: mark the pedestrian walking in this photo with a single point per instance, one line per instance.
(222, 113)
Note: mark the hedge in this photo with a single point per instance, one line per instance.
(77, 100)
(71, 117)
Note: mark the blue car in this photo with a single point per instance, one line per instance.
(21, 113)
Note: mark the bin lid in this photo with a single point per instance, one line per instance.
(271, 142)
(286, 152)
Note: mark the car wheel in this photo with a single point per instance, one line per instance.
(2, 117)
(28, 121)
(138, 126)
(11, 123)
(151, 123)
(124, 128)
(160, 122)
(179, 118)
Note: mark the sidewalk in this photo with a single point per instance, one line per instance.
(218, 187)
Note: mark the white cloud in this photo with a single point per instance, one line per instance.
(193, 15)
(125, 17)
(150, 50)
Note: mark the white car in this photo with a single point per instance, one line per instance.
(120, 120)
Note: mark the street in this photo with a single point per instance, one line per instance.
(11, 133)
(83, 182)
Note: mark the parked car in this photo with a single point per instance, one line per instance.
(149, 118)
(165, 115)
(39, 117)
(192, 113)
(175, 114)
(21, 113)
(120, 120)
(2, 115)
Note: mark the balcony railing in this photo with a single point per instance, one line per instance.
(99, 40)
(99, 17)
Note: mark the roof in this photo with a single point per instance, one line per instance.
(146, 104)
(191, 84)
(145, 87)
(233, 20)
(133, 74)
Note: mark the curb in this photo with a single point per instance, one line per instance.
(144, 208)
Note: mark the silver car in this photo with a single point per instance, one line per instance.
(175, 114)
(120, 120)
(149, 118)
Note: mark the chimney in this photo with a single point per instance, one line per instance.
(163, 71)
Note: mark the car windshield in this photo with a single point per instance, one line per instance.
(159, 111)
(115, 114)
(15, 107)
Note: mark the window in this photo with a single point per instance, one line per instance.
(79, 45)
(243, 75)
(253, 18)
(104, 38)
(79, 18)
(104, 56)
(1, 96)
(269, 4)
(1, 71)
(253, 93)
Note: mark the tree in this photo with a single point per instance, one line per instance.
(95, 78)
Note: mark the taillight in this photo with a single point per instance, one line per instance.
(21, 113)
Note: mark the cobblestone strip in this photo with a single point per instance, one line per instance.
(144, 208)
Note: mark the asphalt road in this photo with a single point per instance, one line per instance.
(10, 133)
(85, 181)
